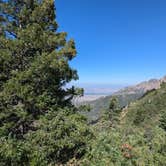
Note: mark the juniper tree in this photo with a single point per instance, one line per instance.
(34, 69)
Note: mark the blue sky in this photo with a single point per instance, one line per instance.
(118, 41)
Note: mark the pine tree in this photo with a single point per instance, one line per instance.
(34, 69)
(162, 120)
(112, 113)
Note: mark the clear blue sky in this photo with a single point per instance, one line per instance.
(118, 41)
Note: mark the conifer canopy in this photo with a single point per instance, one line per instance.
(38, 122)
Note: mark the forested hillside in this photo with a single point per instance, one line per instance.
(40, 125)
(101, 104)
(136, 138)
(125, 96)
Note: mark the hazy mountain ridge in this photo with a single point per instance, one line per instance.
(125, 96)
(143, 86)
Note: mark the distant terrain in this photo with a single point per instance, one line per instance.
(125, 96)
(93, 92)
(87, 98)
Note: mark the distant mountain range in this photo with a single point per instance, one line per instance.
(142, 87)
(125, 96)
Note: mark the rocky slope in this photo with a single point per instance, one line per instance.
(142, 87)
(125, 96)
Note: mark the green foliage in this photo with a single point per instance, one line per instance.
(13, 152)
(38, 123)
(60, 137)
(139, 148)
(105, 150)
(136, 140)
(163, 120)
(112, 113)
(101, 104)
(147, 111)
(114, 105)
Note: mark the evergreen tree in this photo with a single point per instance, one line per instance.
(112, 113)
(114, 108)
(114, 104)
(34, 69)
(162, 120)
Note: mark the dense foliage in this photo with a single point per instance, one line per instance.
(40, 126)
(38, 123)
(139, 139)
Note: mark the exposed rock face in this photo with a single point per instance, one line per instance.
(142, 87)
